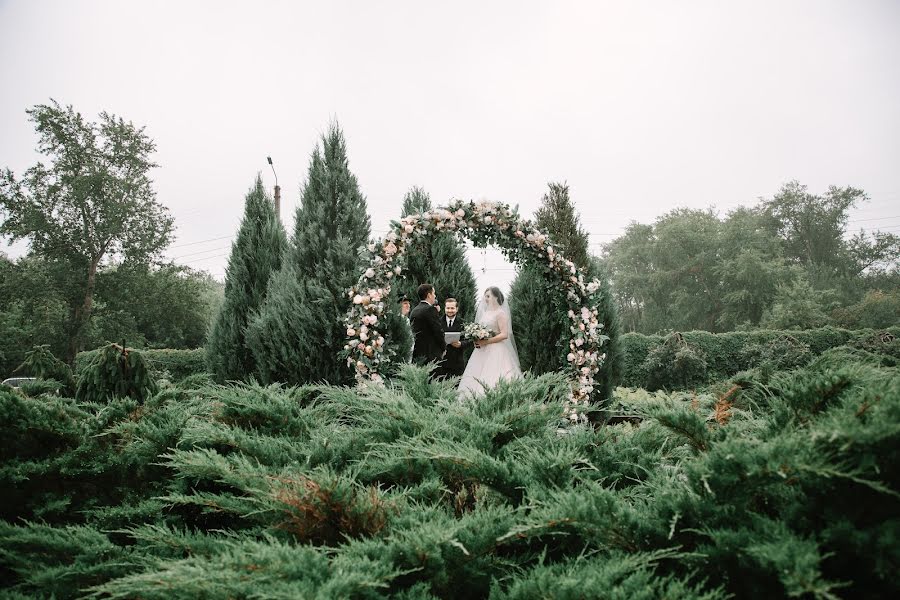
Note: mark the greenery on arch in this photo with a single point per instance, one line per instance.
(483, 223)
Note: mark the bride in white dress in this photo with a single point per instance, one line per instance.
(495, 358)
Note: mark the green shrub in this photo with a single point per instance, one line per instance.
(727, 354)
(788, 489)
(115, 372)
(675, 364)
(176, 364)
(40, 363)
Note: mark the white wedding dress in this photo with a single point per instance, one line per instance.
(493, 362)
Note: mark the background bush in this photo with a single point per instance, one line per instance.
(174, 365)
(727, 354)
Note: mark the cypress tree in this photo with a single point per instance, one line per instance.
(255, 255)
(539, 307)
(440, 260)
(298, 331)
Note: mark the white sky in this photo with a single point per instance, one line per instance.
(641, 107)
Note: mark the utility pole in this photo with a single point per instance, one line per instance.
(277, 190)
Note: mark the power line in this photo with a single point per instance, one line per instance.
(200, 252)
(203, 241)
(187, 262)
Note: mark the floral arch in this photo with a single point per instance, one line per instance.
(483, 223)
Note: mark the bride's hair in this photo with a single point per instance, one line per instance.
(496, 293)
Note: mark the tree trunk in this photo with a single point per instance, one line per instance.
(82, 314)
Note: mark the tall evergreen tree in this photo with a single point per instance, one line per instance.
(298, 331)
(539, 307)
(255, 255)
(440, 260)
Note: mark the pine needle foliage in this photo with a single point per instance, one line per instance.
(402, 491)
(538, 307)
(115, 372)
(256, 254)
(297, 333)
(39, 362)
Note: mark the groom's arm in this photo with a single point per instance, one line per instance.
(435, 327)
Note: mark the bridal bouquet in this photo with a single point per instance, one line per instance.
(477, 331)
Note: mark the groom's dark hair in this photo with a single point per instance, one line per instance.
(424, 290)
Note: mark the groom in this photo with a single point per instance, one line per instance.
(428, 334)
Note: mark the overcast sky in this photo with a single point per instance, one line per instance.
(641, 107)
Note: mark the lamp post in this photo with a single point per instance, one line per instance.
(277, 189)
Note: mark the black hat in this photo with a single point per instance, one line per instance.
(403, 299)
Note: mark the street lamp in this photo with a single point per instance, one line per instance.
(277, 189)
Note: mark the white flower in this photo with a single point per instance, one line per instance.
(593, 286)
(578, 342)
(460, 213)
(489, 219)
(370, 273)
(398, 269)
(372, 247)
(570, 357)
(351, 332)
(408, 229)
(357, 299)
(585, 314)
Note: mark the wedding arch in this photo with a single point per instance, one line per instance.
(483, 223)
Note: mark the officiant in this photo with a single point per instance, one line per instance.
(454, 362)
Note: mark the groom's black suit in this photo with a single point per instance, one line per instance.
(428, 335)
(455, 361)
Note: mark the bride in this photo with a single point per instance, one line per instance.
(495, 358)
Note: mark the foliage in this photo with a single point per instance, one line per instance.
(877, 309)
(33, 310)
(537, 311)
(173, 365)
(39, 362)
(727, 354)
(165, 305)
(159, 306)
(255, 255)
(297, 332)
(94, 201)
(115, 372)
(784, 263)
(797, 306)
(439, 260)
(537, 304)
(788, 488)
(674, 364)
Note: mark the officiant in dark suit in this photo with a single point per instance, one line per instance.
(428, 334)
(455, 359)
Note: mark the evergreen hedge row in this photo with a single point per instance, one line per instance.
(727, 354)
(173, 364)
(788, 486)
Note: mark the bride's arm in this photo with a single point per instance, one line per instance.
(504, 331)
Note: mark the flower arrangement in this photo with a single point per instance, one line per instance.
(483, 223)
(477, 331)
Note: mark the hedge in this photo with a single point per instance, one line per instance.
(729, 353)
(179, 364)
